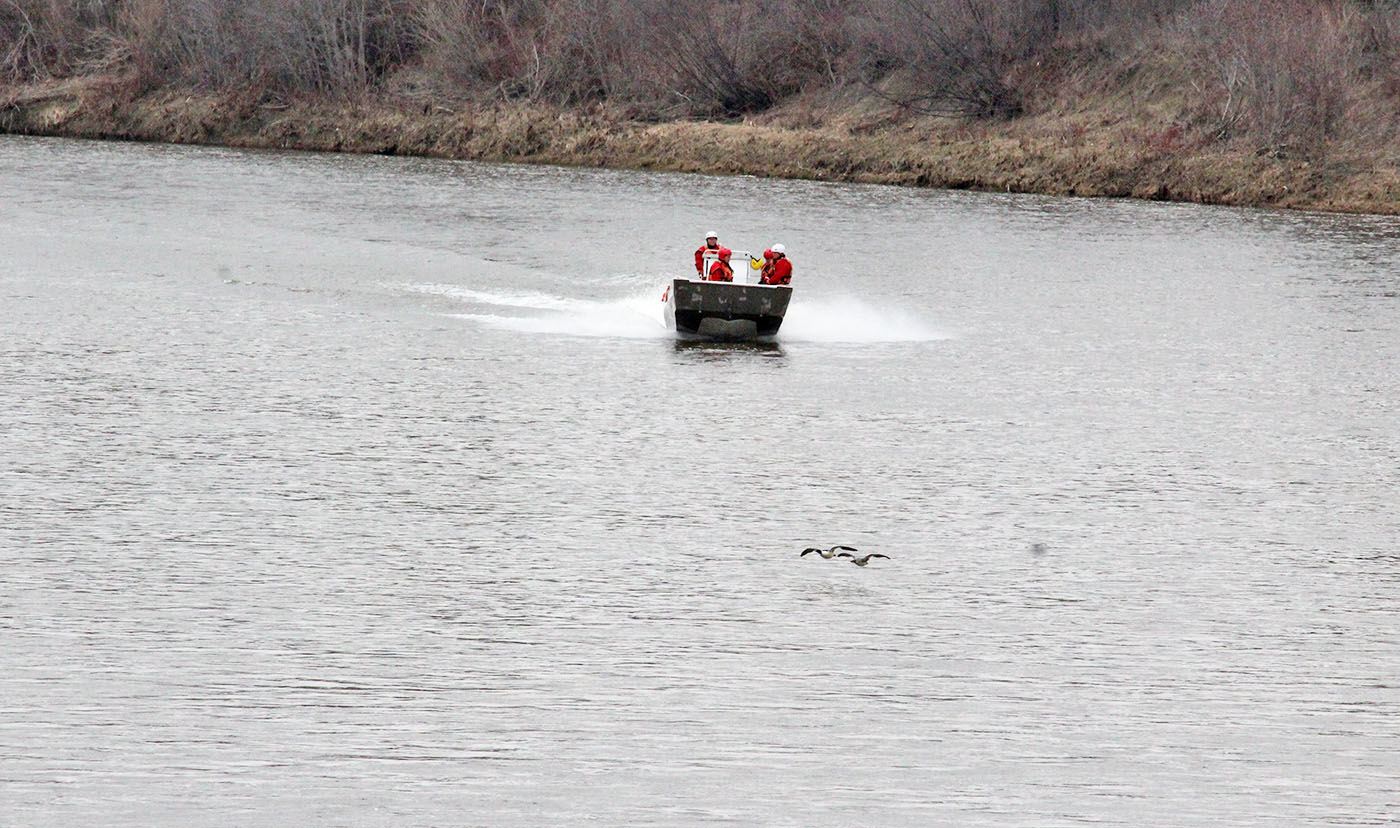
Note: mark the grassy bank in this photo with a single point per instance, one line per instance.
(1081, 153)
(1282, 103)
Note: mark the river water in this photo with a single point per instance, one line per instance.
(370, 491)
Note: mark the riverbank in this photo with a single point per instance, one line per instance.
(1081, 153)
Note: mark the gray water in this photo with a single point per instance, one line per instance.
(370, 491)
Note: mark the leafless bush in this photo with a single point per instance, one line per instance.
(1279, 72)
(478, 48)
(45, 38)
(1282, 71)
(21, 51)
(330, 46)
(955, 55)
(1121, 17)
(589, 50)
(568, 52)
(825, 34)
(1379, 48)
(715, 58)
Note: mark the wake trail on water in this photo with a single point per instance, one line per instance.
(853, 320)
(638, 315)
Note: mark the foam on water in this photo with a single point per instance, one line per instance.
(521, 299)
(622, 319)
(848, 319)
(639, 315)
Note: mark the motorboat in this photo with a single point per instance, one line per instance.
(738, 310)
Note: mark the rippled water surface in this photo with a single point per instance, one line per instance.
(370, 491)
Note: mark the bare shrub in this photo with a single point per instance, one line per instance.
(48, 38)
(717, 58)
(590, 50)
(1282, 73)
(1121, 16)
(568, 52)
(477, 48)
(824, 37)
(22, 52)
(957, 54)
(335, 46)
(1278, 72)
(1379, 49)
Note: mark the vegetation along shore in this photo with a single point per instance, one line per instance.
(1286, 103)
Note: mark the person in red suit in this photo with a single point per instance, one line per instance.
(711, 245)
(780, 272)
(720, 271)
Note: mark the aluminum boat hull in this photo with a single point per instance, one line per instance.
(726, 310)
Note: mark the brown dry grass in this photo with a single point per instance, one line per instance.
(1110, 151)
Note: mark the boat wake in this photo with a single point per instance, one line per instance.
(632, 317)
(853, 320)
(638, 316)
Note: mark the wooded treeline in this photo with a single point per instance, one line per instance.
(1279, 72)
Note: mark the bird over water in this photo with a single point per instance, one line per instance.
(863, 559)
(842, 552)
(827, 553)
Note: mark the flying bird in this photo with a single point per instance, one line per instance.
(863, 560)
(827, 553)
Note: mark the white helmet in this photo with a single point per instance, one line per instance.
(778, 248)
(712, 235)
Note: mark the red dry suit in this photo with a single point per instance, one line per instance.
(780, 273)
(720, 271)
(700, 255)
(767, 267)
